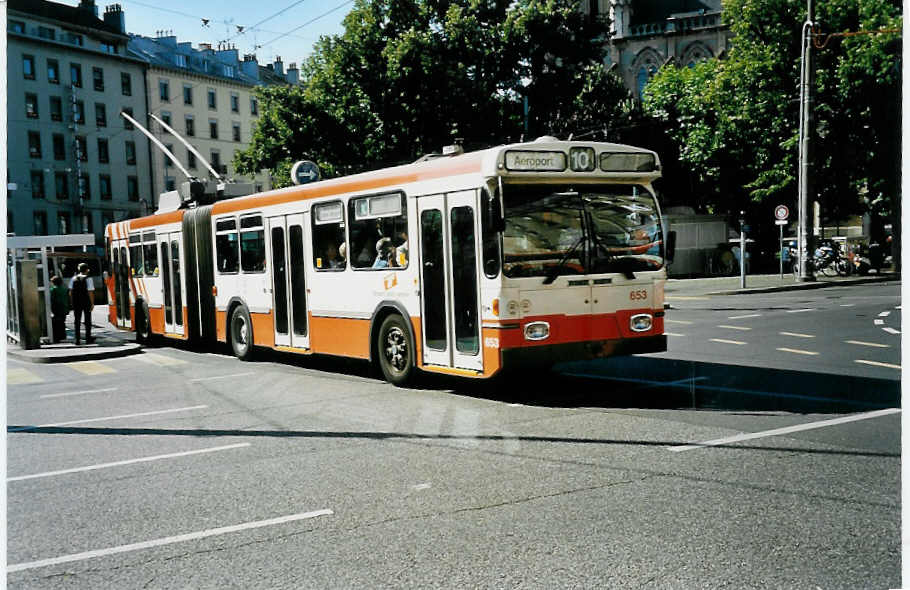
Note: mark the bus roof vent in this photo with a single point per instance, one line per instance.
(545, 139)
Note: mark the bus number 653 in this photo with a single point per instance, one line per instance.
(638, 295)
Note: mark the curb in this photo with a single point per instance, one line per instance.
(39, 355)
(807, 285)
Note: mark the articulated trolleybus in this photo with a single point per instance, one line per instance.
(461, 263)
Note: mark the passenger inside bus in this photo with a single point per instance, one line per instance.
(333, 256)
(385, 253)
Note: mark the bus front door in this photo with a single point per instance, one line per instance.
(449, 280)
(289, 300)
(171, 283)
(120, 271)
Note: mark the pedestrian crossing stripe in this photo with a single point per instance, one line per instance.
(21, 377)
(158, 359)
(91, 367)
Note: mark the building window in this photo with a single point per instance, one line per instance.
(56, 108)
(53, 71)
(213, 128)
(236, 131)
(61, 184)
(131, 153)
(167, 161)
(9, 223)
(212, 101)
(85, 187)
(74, 39)
(190, 126)
(190, 160)
(47, 33)
(126, 84)
(100, 115)
(98, 79)
(40, 218)
(31, 105)
(109, 48)
(76, 75)
(216, 160)
(170, 183)
(254, 107)
(180, 60)
(132, 188)
(164, 90)
(89, 227)
(81, 148)
(103, 153)
(63, 223)
(104, 187)
(17, 26)
(59, 146)
(37, 184)
(235, 103)
(126, 122)
(34, 144)
(28, 67)
(166, 117)
(79, 113)
(229, 71)
(187, 94)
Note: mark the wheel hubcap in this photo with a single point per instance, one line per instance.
(240, 332)
(396, 349)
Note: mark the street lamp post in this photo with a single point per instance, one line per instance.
(804, 239)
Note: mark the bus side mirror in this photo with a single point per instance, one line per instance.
(671, 245)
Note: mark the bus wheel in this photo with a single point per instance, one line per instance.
(396, 356)
(143, 324)
(242, 333)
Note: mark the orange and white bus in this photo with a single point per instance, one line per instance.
(465, 263)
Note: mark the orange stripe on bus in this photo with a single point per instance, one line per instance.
(340, 336)
(161, 219)
(263, 329)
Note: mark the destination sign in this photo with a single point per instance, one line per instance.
(525, 160)
(627, 162)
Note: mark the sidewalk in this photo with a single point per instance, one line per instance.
(718, 286)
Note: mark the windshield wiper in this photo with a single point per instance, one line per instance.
(555, 271)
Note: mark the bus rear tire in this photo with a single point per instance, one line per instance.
(241, 333)
(395, 350)
(143, 324)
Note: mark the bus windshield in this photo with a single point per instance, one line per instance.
(555, 230)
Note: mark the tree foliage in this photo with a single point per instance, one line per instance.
(409, 76)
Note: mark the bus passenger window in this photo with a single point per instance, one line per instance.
(136, 266)
(252, 244)
(227, 246)
(379, 232)
(150, 254)
(329, 246)
(489, 235)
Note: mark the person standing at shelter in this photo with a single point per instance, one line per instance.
(82, 297)
(60, 307)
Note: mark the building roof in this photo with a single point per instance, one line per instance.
(71, 15)
(655, 11)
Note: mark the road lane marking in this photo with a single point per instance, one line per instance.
(158, 359)
(722, 341)
(799, 310)
(50, 395)
(787, 430)
(891, 330)
(686, 298)
(673, 334)
(735, 327)
(18, 567)
(126, 462)
(91, 368)
(421, 486)
(873, 344)
(21, 377)
(139, 415)
(847, 304)
(796, 334)
(742, 317)
(220, 377)
(798, 351)
(878, 322)
(677, 321)
(884, 314)
(878, 364)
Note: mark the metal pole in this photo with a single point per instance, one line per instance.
(781, 244)
(805, 108)
(742, 257)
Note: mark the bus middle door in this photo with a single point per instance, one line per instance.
(171, 283)
(289, 300)
(120, 271)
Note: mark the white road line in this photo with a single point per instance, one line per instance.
(677, 322)
(878, 364)
(796, 334)
(884, 314)
(126, 462)
(878, 322)
(673, 334)
(891, 330)
(18, 567)
(742, 317)
(787, 430)
(722, 341)
(220, 377)
(50, 395)
(847, 304)
(799, 310)
(873, 344)
(139, 415)
(798, 351)
(735, 327)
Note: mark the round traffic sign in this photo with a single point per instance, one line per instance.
(781, 212)
(304, 171)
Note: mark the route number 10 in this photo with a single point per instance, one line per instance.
(581, 159)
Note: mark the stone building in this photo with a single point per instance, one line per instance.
(74, 165)
(206, 95)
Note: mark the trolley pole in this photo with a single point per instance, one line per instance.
(804, 239)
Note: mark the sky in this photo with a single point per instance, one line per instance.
(286, 28)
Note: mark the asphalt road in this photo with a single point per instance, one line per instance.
(179, 468)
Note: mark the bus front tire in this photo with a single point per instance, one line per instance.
(143, 324)
(241, 333)
(395, 350)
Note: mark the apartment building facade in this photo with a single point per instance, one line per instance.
(74, 164)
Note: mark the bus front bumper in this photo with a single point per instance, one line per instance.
(546, 355)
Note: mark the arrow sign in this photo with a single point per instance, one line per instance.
(304, 172)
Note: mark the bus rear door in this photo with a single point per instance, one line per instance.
(288, 281)
(120, 270)
(449, 280)
(169, 259)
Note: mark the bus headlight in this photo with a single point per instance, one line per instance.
(537, 331)
(640, 322)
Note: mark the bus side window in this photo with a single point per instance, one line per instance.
(379, 231)
(150, 254)
(252, 244)
(136, 266)
(489, 209)
(227, 246)
(329, 245)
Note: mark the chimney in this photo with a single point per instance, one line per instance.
(113, 17)
(293, 76)
(89, 5)
(250, 66)
(205, 47)
(279, 66)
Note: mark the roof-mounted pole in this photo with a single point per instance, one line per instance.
(155, 140)
(188, 146)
